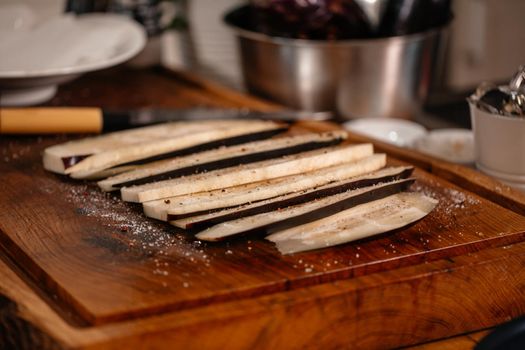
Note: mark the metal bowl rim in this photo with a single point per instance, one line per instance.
(283, 41)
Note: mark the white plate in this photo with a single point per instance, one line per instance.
(454, 145)
(60, 49)
(399, 132)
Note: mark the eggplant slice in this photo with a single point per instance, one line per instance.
(200, 222)
(227, 177)
(270, 222)
(144, 162)
(203, 202)
(365, 220)
(221, 158)
(162, 148)
(60, 157)
(246, 173)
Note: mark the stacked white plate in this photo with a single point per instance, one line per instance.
(37, 56)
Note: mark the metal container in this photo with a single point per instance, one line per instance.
(385, 77)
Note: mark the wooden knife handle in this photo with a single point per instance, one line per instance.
(50, 120)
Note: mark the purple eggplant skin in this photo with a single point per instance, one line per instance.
(310, 19)
(338, 19)
(325, 211)
(229, 162)
(230, 141)
(301, 198)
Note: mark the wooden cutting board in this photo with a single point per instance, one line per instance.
(85, 270)
(99, 260)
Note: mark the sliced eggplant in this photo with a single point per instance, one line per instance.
(134, 165)
(200, 222)
(203, 202)
(221, 158)
(157, 149)
(300, 214)
(362, 221)
(60, 157)
(246, 173)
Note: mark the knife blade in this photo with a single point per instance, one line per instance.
(50, 120)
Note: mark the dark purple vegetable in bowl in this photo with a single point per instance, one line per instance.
(310, 19)
(344, 19)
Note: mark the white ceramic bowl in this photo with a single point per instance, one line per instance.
(499, 143)
(399, 132)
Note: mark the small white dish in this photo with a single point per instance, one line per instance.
(46, 54)
(453, 145)
(399, 132)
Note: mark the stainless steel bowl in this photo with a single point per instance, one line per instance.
(386, 77)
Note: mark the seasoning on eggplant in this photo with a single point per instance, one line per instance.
(278, 220)
(221, 158)
(302, 191)
(359, 222)
(157, 149)
(256, 191)
(246, 173)
(203, 221)
(60, 157)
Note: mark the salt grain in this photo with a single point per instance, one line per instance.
(140, 233)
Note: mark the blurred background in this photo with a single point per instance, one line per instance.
(482, 43)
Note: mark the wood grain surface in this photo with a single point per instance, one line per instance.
(56, 230)
(82, 269)
(388, 309)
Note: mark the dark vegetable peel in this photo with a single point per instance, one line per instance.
(201, 222)
(246, 173)
(230, 141)
(169, 145)
(302, 213)
(303, 190)
(62, 157)
(220, 158)
(204, 202)
(365, 220)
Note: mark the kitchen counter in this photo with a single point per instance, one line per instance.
(73, 280)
